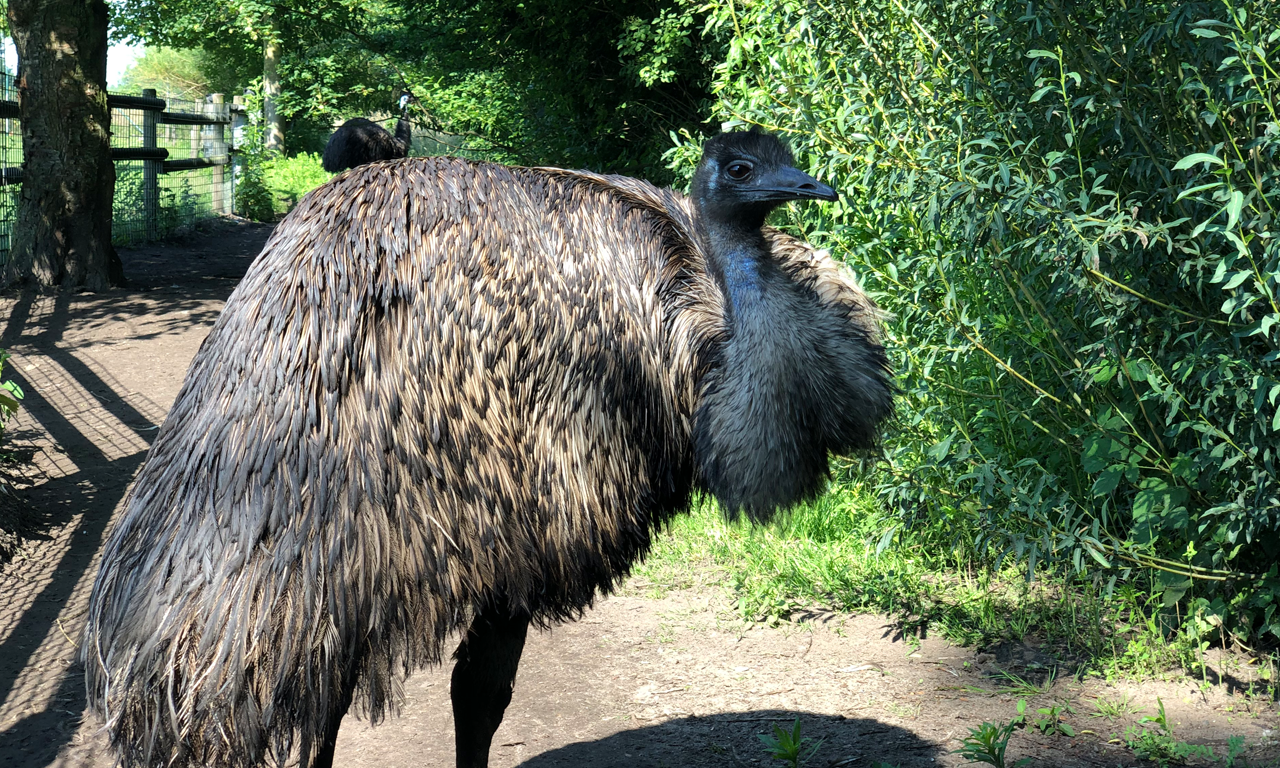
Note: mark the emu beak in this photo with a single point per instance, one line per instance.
(792, 184)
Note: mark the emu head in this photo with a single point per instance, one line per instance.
(745, 175)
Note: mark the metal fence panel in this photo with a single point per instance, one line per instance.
(180, 197)
(10, 157)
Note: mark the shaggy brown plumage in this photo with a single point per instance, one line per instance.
(446, 392)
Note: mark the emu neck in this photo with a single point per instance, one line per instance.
(740, 257)
(754, 432)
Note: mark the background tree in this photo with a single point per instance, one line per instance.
(62, 235)
(248, 36)
(562, 82)
(546, 81)
(178, 73)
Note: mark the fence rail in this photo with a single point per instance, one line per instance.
(174, 163)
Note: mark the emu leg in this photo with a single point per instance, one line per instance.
(324, 757)
(483, 679)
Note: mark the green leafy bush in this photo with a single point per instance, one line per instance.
(1070, 211)
(178, 205)
(13, 519)
(253, 200)
(290, 178)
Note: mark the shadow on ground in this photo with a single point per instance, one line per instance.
(731, 739)
(85, 424)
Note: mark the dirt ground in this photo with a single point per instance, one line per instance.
(640, 681)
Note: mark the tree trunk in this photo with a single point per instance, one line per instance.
(62, 236)
(273, 138)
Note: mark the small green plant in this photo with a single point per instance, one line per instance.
(1020, 686)
(1050, 722)
(1021, 720)
(1113, 709)
(1160, 720)
(1235, 747)
(253, 199)
(179, 206)
(987, 744)
(10, 394)
(1159, 745)
(789, 746)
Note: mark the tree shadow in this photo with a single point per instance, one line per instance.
(32, 672)
(88, 455)
(88, 435)
(732, 739)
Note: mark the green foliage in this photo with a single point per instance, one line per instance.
(539, 82)
(1158, 744)
(1051, 722)
(174, 73)
(178, 205)
(1015, 685)
(327, 67)
(560, 82)
(1235, 748)
(1113, 709)
(253, 199)
(987, 744)
(1071, 217)
(789, 746)
(290, 178)
(651, 48)
(10, 394)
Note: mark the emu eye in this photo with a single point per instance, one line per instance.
(738, 170)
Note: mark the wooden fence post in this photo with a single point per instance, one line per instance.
(150, 170)
(239, 120)
(217, 147)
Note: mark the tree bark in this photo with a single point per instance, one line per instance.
(273, 137)
(62, 236)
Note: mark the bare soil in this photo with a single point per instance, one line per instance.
(641, 680)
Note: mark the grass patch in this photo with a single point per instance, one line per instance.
(840, 552)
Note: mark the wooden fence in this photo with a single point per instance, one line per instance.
(136, 127)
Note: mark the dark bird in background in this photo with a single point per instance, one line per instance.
(359, 141)
(461, 397)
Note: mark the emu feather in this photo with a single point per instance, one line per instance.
(451, 396)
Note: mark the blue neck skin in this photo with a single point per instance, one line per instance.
(740, 267)
(741, 278)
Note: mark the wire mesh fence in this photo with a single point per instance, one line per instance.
(10, 157)
(184, 195)
(156, 196)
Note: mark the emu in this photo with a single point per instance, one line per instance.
(461, 397)
(359, 141)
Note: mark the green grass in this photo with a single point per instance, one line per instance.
(841, 553)
(1114, 709)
